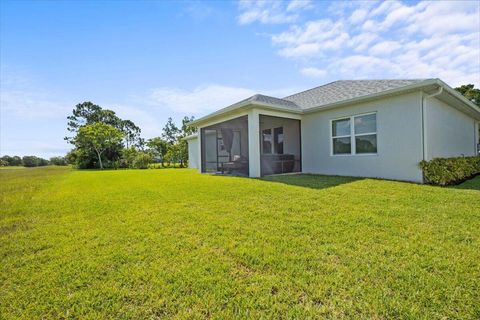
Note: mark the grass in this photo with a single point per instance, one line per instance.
(137, 244)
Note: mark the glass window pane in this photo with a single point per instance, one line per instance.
(366, 124)
(341, 127)
(342, 146)
(278, 140)
(366, 144)
(267, 141)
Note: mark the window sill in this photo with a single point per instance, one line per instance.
(354, 155)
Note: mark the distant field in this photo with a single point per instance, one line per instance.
(141, 244)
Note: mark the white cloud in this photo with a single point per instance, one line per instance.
(389, 39)
(271, 11)
(358, 16)
(207, 98)
(266, 12)
(30, 104)
(142, 115)
(299, 4)
(384, 48)
(199, 100)
(302, 50)
(313, 72)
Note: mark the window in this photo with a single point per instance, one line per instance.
(355, 135)
(278, 140)
(366, 133)
(341, 135)
(267, 141)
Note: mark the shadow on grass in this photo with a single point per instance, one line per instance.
(472, 184)
(312, 181)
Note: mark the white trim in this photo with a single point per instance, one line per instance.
(280, 114)
(191, 137)
(353, 135)
(223, 119)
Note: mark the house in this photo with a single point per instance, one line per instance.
(365, 128)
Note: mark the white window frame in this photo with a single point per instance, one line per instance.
(352, 135)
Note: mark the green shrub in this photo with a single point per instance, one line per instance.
(449, 171)
(58, 161)
(128, 157)
(33, 161)
(142, 160)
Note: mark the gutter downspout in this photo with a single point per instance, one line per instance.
(424, 119)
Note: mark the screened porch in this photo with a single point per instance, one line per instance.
(224, 147)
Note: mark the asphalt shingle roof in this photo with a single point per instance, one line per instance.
(272, 100)
(344, 90)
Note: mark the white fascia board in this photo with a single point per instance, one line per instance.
(191, 137)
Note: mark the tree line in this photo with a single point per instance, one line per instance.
(31, 161)
(101, 139)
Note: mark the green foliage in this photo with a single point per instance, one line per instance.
(172, 165)
(158, 148)
(142, 160)
(33, 161)
(173, 153)
(122, 153)
(3, 163)
(131, 133)
(87, 113)
(128, 155)
(170, 132)
(449, 171)
(16, 161)
(82, 158)
(470, 92)
(186, 128)
(12, 161)
(99, 137)
(182, 146)
(148, 244)
(58, 161)
(171, 147)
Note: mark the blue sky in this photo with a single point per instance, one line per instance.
(149, 60)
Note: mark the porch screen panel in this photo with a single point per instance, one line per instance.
(210, 149)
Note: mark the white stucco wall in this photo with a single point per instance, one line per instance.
(449, 132)
(193, 153)
(399, 141)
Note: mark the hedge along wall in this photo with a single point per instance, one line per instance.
(449, 171)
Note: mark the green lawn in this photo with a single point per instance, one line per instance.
(144, 244)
